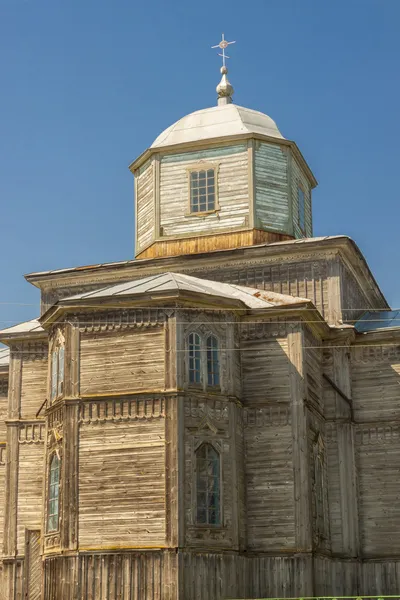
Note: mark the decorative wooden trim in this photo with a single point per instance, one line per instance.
(156, 193)
(120, 410)
(119, 320)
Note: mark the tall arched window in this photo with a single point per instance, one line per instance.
(194, 358)
(208, 485)
(53, 504)
(212, 361)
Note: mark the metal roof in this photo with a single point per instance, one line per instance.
(376, 320)
(25, 327)
(135, 261)
(217, 122)
(4, 357)
(169, 282)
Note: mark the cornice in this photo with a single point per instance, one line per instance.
(223, 141)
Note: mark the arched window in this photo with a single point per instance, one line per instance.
(212, 361)
(194, 358)
(208, 485)
(53, 504)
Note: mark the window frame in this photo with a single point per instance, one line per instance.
(50, 497)
(218, 450)
(203, 166)
(203, 384)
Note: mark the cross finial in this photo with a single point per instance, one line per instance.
(224, 88)
(223, 45)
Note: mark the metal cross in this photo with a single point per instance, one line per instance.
(223, 44)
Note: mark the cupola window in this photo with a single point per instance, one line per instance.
(202, 191)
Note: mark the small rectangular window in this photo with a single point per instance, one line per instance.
(302, 209)
(202, 191)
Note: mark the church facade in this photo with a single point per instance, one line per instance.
(218, 418)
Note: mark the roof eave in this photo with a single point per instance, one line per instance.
(136, 164)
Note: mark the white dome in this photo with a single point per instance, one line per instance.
(217, 122)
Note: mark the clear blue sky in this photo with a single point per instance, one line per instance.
(87, 85)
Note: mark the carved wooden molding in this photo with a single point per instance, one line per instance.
(376, 435)
(373, 353)
(267, 416)
(117, 320)
(3, 454)
(264, 330)
(31, 433)
(52, 541)
(210, 408)
(30, 350)
(121, 410)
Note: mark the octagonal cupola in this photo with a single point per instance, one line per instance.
(220, 178)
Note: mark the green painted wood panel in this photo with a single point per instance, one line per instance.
(271, 188)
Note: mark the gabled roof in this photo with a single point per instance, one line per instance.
(378, 320)
(178, 282)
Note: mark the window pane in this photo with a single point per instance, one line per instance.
(53, 494)
(212, 361)
(54, 361)
(208, 485)
(194, 358)
(202, 191)
(60, 370)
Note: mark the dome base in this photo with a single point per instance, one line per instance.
(210, 243)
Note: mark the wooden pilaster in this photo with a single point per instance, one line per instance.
(302, 499)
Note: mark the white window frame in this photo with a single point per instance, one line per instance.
(196, 169)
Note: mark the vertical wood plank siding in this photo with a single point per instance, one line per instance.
(118, 362)
(33, 386)
(298, 178)
(375, 383)
(145, 206)
(232, 192)
(269, 480)
(30, 488)
(265, 365)
(119, 464)
(271, 187)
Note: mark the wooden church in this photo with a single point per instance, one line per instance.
(218, 418)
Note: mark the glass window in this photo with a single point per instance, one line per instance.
(212, 361)
(194, 358)
(53, 499)
(302, 209)
(60, 386)
(57, 372)
(202, 191)
(208, 485)
(54, 369)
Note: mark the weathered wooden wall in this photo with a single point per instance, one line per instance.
(123, 361)
(299, 179)
(272, 193)
(122, 474)
(145, 208)
(149, 575)
(233, 191)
